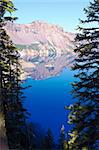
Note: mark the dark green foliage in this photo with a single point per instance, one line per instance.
(35, 136)
(47, 141)
(10, 85)
(85, 112)
(62, 138)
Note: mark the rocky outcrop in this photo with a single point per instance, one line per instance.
(45, 49)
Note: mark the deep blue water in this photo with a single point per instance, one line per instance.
(46, 100)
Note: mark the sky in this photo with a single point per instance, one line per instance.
(65, 13)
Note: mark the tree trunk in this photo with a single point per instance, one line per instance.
(3, 138)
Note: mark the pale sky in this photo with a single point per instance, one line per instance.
(64, 13)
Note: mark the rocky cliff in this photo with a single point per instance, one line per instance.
(45, 49)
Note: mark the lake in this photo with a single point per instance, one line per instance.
(46, 99)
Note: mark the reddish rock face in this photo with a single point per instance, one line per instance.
(45, 48)
(39, 31)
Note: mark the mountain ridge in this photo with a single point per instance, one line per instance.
(42, 45)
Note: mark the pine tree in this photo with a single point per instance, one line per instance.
(84, 113)
(4, 5)
(48, 141)
(11, 107)
(62, 138)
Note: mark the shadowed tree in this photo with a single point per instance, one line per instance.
(48, 141)
(85, 112)
(4, 6)
(62, 138)
(11, 108)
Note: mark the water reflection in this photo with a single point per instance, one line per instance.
(41, 68)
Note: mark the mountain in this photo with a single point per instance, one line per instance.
(45, 49)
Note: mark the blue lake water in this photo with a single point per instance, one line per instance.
(46, 99)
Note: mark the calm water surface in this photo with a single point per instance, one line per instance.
(46, 100)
